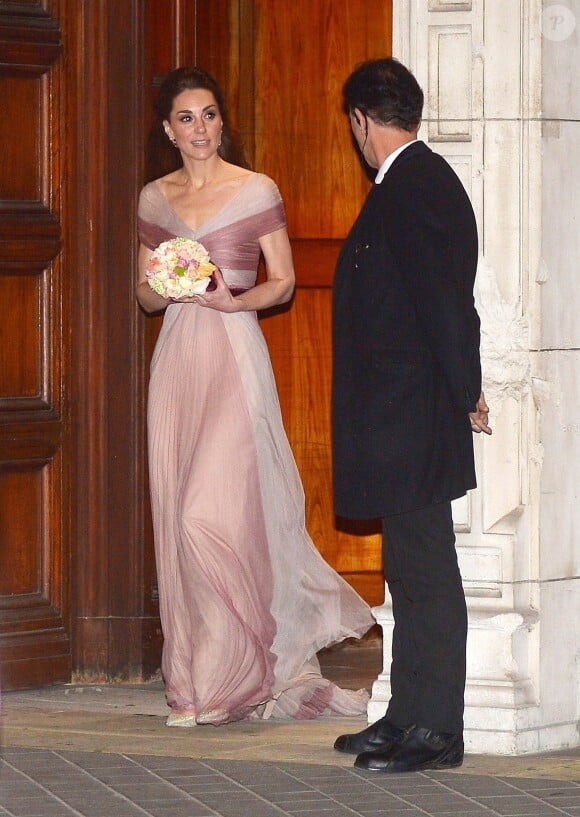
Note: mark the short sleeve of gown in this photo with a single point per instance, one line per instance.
(150, 232)
(273, 213)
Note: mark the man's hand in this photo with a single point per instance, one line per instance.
(478, 418)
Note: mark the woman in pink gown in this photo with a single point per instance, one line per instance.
(246, 600)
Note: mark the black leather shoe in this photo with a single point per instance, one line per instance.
(420, 749)
(380, 736)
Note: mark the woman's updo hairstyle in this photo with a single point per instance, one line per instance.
(186, 79)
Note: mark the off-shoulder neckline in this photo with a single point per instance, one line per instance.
(212, 218)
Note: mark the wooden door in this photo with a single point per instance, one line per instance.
(299, 55)
(77, 575)
(35, 620)
(77, 588)
(282, 66)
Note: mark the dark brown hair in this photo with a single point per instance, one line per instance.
(163, 157)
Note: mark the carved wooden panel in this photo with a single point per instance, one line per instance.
(30, 39)
(34, 529)
(20, 145)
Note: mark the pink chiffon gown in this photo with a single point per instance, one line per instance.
(246, 599)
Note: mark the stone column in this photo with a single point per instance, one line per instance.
(501, 83)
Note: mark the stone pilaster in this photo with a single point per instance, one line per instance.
(502, 105)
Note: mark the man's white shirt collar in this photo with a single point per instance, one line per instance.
(382, 171)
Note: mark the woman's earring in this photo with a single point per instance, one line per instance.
(172, 139)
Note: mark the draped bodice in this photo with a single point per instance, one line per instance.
(231, 236)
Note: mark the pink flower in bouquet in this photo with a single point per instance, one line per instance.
(178, 268)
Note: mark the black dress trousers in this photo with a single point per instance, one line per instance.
(430, 632)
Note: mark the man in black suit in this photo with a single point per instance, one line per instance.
(406, 398)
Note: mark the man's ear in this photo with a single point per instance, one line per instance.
(357, 115)
(362, 121)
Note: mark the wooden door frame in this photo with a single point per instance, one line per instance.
(122, 51)
(116, 624)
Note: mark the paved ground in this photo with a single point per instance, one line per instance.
(39, 783)
(106, 752)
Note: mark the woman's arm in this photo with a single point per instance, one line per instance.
(277, 289)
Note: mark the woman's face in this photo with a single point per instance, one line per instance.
(195, 123)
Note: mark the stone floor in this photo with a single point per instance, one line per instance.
(104, 751)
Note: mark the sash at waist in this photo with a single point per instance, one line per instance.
(234, 290)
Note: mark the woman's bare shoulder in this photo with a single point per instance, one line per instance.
(171, 181)
(235, 173)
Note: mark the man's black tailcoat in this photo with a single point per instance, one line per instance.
(406, 343)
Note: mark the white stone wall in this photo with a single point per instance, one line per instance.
(558, 364)
(502, 104)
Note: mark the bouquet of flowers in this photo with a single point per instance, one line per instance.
(178, 268)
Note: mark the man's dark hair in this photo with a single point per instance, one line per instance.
(385, 91)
